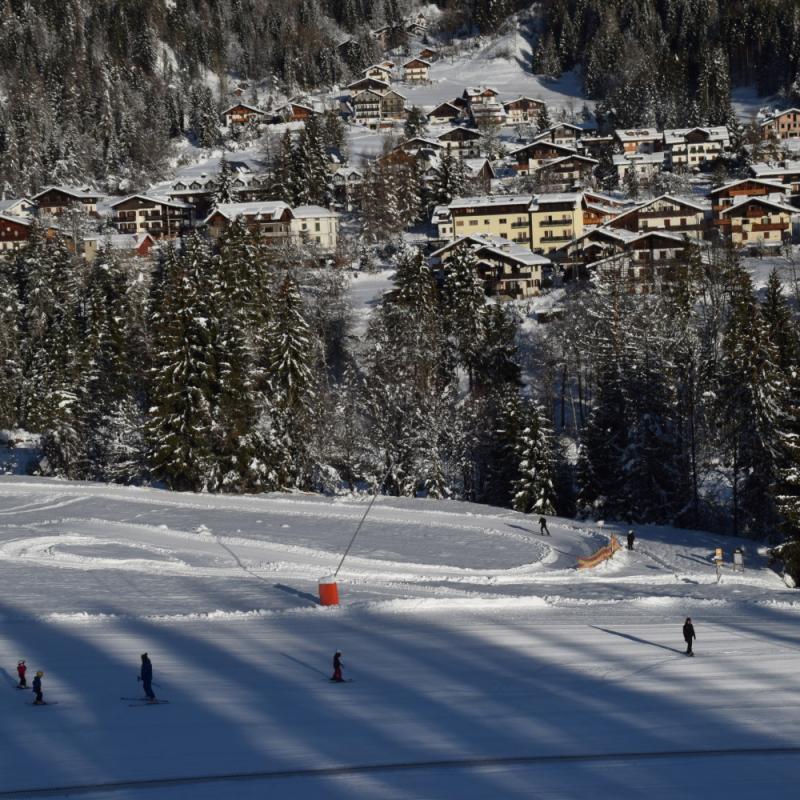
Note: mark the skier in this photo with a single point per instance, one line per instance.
(37, 688)
(688, 635)
(337, 667)
(543, 527)
(146, 677)
(21, 670)
(631, 539)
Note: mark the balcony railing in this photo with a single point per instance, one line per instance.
(565, 237)
(519, 224)
(545, 223)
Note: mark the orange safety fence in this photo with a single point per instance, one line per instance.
(603, 554)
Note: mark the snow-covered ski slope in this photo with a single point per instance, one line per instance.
(484, 664)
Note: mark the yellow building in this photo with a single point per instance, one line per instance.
(758, 221)
(542, 222)
(506, 216)
(556, 219)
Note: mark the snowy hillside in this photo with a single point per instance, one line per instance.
(473, 642)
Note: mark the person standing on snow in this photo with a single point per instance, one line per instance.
(688, 635)
(631, 539)
(21, 670)
(337, 667)
(37, 688)
(146, 677)
(543, 527)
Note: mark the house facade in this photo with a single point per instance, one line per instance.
(672, 214)
(161, 217)
(783, 125)
(55, 200)
(444, 113)
(462, 142)
(566, 173)
(731, 193)
(504, 216)
(392, 105)
(688, 148)
(522, 110)
(243, 114)
(506, 269)
(639, 140)
(271, 221)
(366, 107)
(555, 220)
(530, 157)
(416, 71)
(316, 226)
(757, 221)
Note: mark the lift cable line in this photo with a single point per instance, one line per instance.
(361, 523)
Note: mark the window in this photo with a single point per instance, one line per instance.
(316, 227)
(503, 221)
(473, 222)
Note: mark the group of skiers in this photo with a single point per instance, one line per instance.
(36, 686)
(145, 677)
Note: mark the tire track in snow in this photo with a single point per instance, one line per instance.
(403, 766)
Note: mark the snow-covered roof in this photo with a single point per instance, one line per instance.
(78, 194)
(311, 212)
(18, 220)
(121, 241)
(556, 197)
(460, 128)
(571, 157)
(678, 135)
(764, 201)
(492, 200)
(5, 205)
(776, 114)
(637, 134)
(523, 97)
(441, 214)
(154, 199)
(254, 109)
(268, 210)
(562, 147)
(778, 187)
(417, 61)
(784, 168)
(494, 244)
(626, 159)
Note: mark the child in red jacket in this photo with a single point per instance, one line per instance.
(21, 670)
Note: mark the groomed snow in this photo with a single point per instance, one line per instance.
(473, 643)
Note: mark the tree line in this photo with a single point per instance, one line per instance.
(671, 63)
(235, 367)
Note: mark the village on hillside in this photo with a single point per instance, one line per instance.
(541, 193)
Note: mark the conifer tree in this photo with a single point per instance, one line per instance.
(533, 490)
(184, 381)
(223, 189)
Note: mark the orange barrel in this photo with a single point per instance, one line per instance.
(328, 592)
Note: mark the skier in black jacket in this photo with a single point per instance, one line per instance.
(37, 688)
(146, 677)
(688, 635)
(337, 667)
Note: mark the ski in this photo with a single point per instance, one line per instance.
(133, 698)
(346, 680)
(157, 703)
(46, 703)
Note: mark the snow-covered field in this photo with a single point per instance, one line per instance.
(484, 664)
